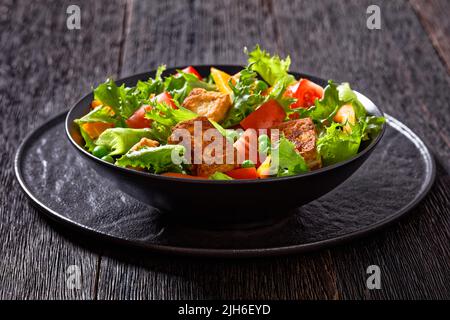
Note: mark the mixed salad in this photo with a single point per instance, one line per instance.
(260, 122)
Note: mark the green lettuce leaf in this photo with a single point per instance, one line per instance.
(347, 95)
(289, 161)
(335, 96)
(155, 160)
(325, 108)
(181, 84)
(270, 68)
(100, 114)
(144, 89)
(165, 117)
(277, 93)
(124, 101)
(168, 116)
(372, 127)
(120, 140)
(160, 132)
(247, 96)
(334, 145)
(89, 143)
(231, 134)
(220, 176)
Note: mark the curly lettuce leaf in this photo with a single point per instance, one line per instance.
(155, 160)
(100, 114)
(335, 145)
(122, 100)
(220, 176)
(372, 127)
(160, 132)
(181, 84)
(168, 116)
(144, 89)
(288, 160)
(325, 108)
(277, 93)
(120, 140)
(247, 96)
(164, 117)
(270, 68)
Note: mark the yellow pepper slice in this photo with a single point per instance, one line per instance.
(263, 170)
(221, 79)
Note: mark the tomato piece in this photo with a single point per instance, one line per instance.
(243, 173)
(166, 97)
(266, 116)
(192, 70)
(181, 175)
(138, 119)
(306, 92)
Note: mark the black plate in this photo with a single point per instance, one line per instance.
(392, 181)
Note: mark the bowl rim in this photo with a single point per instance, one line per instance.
(144, 174)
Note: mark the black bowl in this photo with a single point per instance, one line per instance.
(220, 202)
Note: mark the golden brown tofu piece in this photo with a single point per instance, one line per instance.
(211, 104)
(302, 133)
(199, 144)
(144, 142)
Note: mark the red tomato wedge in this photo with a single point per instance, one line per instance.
(306, 92)
(193, 71)
(266, 116)
(166, 98)
(138, 119)
(181, 175)
(243, 173)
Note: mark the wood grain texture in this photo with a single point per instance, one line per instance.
(433, 14)
(396, 66)
(44, 68)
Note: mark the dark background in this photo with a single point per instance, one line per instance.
(404, 68)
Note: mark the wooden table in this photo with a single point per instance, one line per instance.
(404, 67)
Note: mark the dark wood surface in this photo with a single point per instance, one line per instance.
(403, 67)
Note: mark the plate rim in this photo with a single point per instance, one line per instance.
(230, 253)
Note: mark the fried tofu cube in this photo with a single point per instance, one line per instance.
(144, 142)
(211, 104)
(302, 133)
(198, 144)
